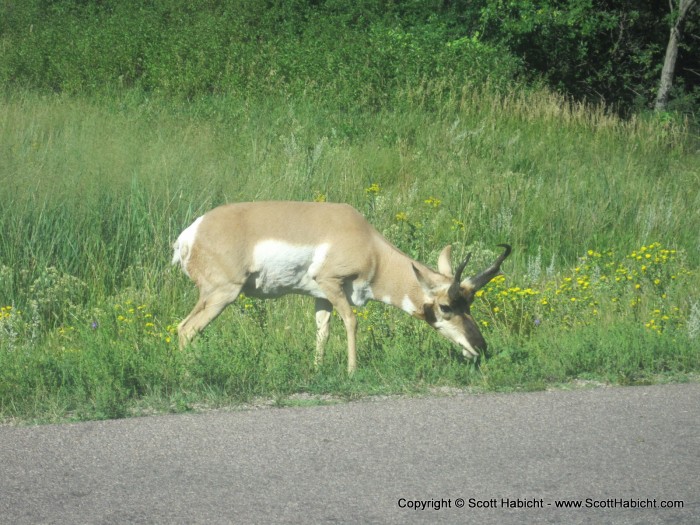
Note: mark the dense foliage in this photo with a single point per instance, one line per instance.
(609, 50)
(602, 214)
(461, 122)
(354, 52)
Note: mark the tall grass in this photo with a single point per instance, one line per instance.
(94, 191)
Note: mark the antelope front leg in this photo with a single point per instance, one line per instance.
(333, 289)
(323, 328)
(346, 313)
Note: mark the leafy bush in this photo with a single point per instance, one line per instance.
(96, 189)
(350, 53)
(644, 286)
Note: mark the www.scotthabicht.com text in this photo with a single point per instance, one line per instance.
(538, 503)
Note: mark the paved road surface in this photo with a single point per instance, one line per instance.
(371, 462)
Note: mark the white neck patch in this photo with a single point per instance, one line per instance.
(408, 306)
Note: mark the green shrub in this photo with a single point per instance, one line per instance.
(95, 190)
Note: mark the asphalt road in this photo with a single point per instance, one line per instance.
(371, 462)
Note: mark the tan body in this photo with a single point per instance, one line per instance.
(328, 251)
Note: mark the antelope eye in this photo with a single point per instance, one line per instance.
(445, 308)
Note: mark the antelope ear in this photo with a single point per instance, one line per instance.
(445, 261)
(425, 282)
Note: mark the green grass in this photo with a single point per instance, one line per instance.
(94, 191)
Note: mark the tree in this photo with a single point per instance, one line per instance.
(666, 82)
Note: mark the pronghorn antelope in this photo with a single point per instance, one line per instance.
(330, 252)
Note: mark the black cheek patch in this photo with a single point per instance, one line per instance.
(474, 334)
(429, 315)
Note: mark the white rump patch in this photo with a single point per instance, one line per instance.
(182, 248)
(288, 268)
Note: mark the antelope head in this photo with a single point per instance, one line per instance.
(449, 299)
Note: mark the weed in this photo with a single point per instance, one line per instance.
(95, 191)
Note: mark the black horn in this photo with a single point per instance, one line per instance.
(454, 291)
(492, 271)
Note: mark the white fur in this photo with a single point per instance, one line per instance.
(183, 245)
(287, 268)
(453, 334)
(318, 259)
(408, 306)
(361, 293)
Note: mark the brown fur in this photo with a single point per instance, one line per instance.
(221, 265)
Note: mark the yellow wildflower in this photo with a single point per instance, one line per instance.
(373, 189)
(432, 201)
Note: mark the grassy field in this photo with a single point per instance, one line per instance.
(602, 214)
